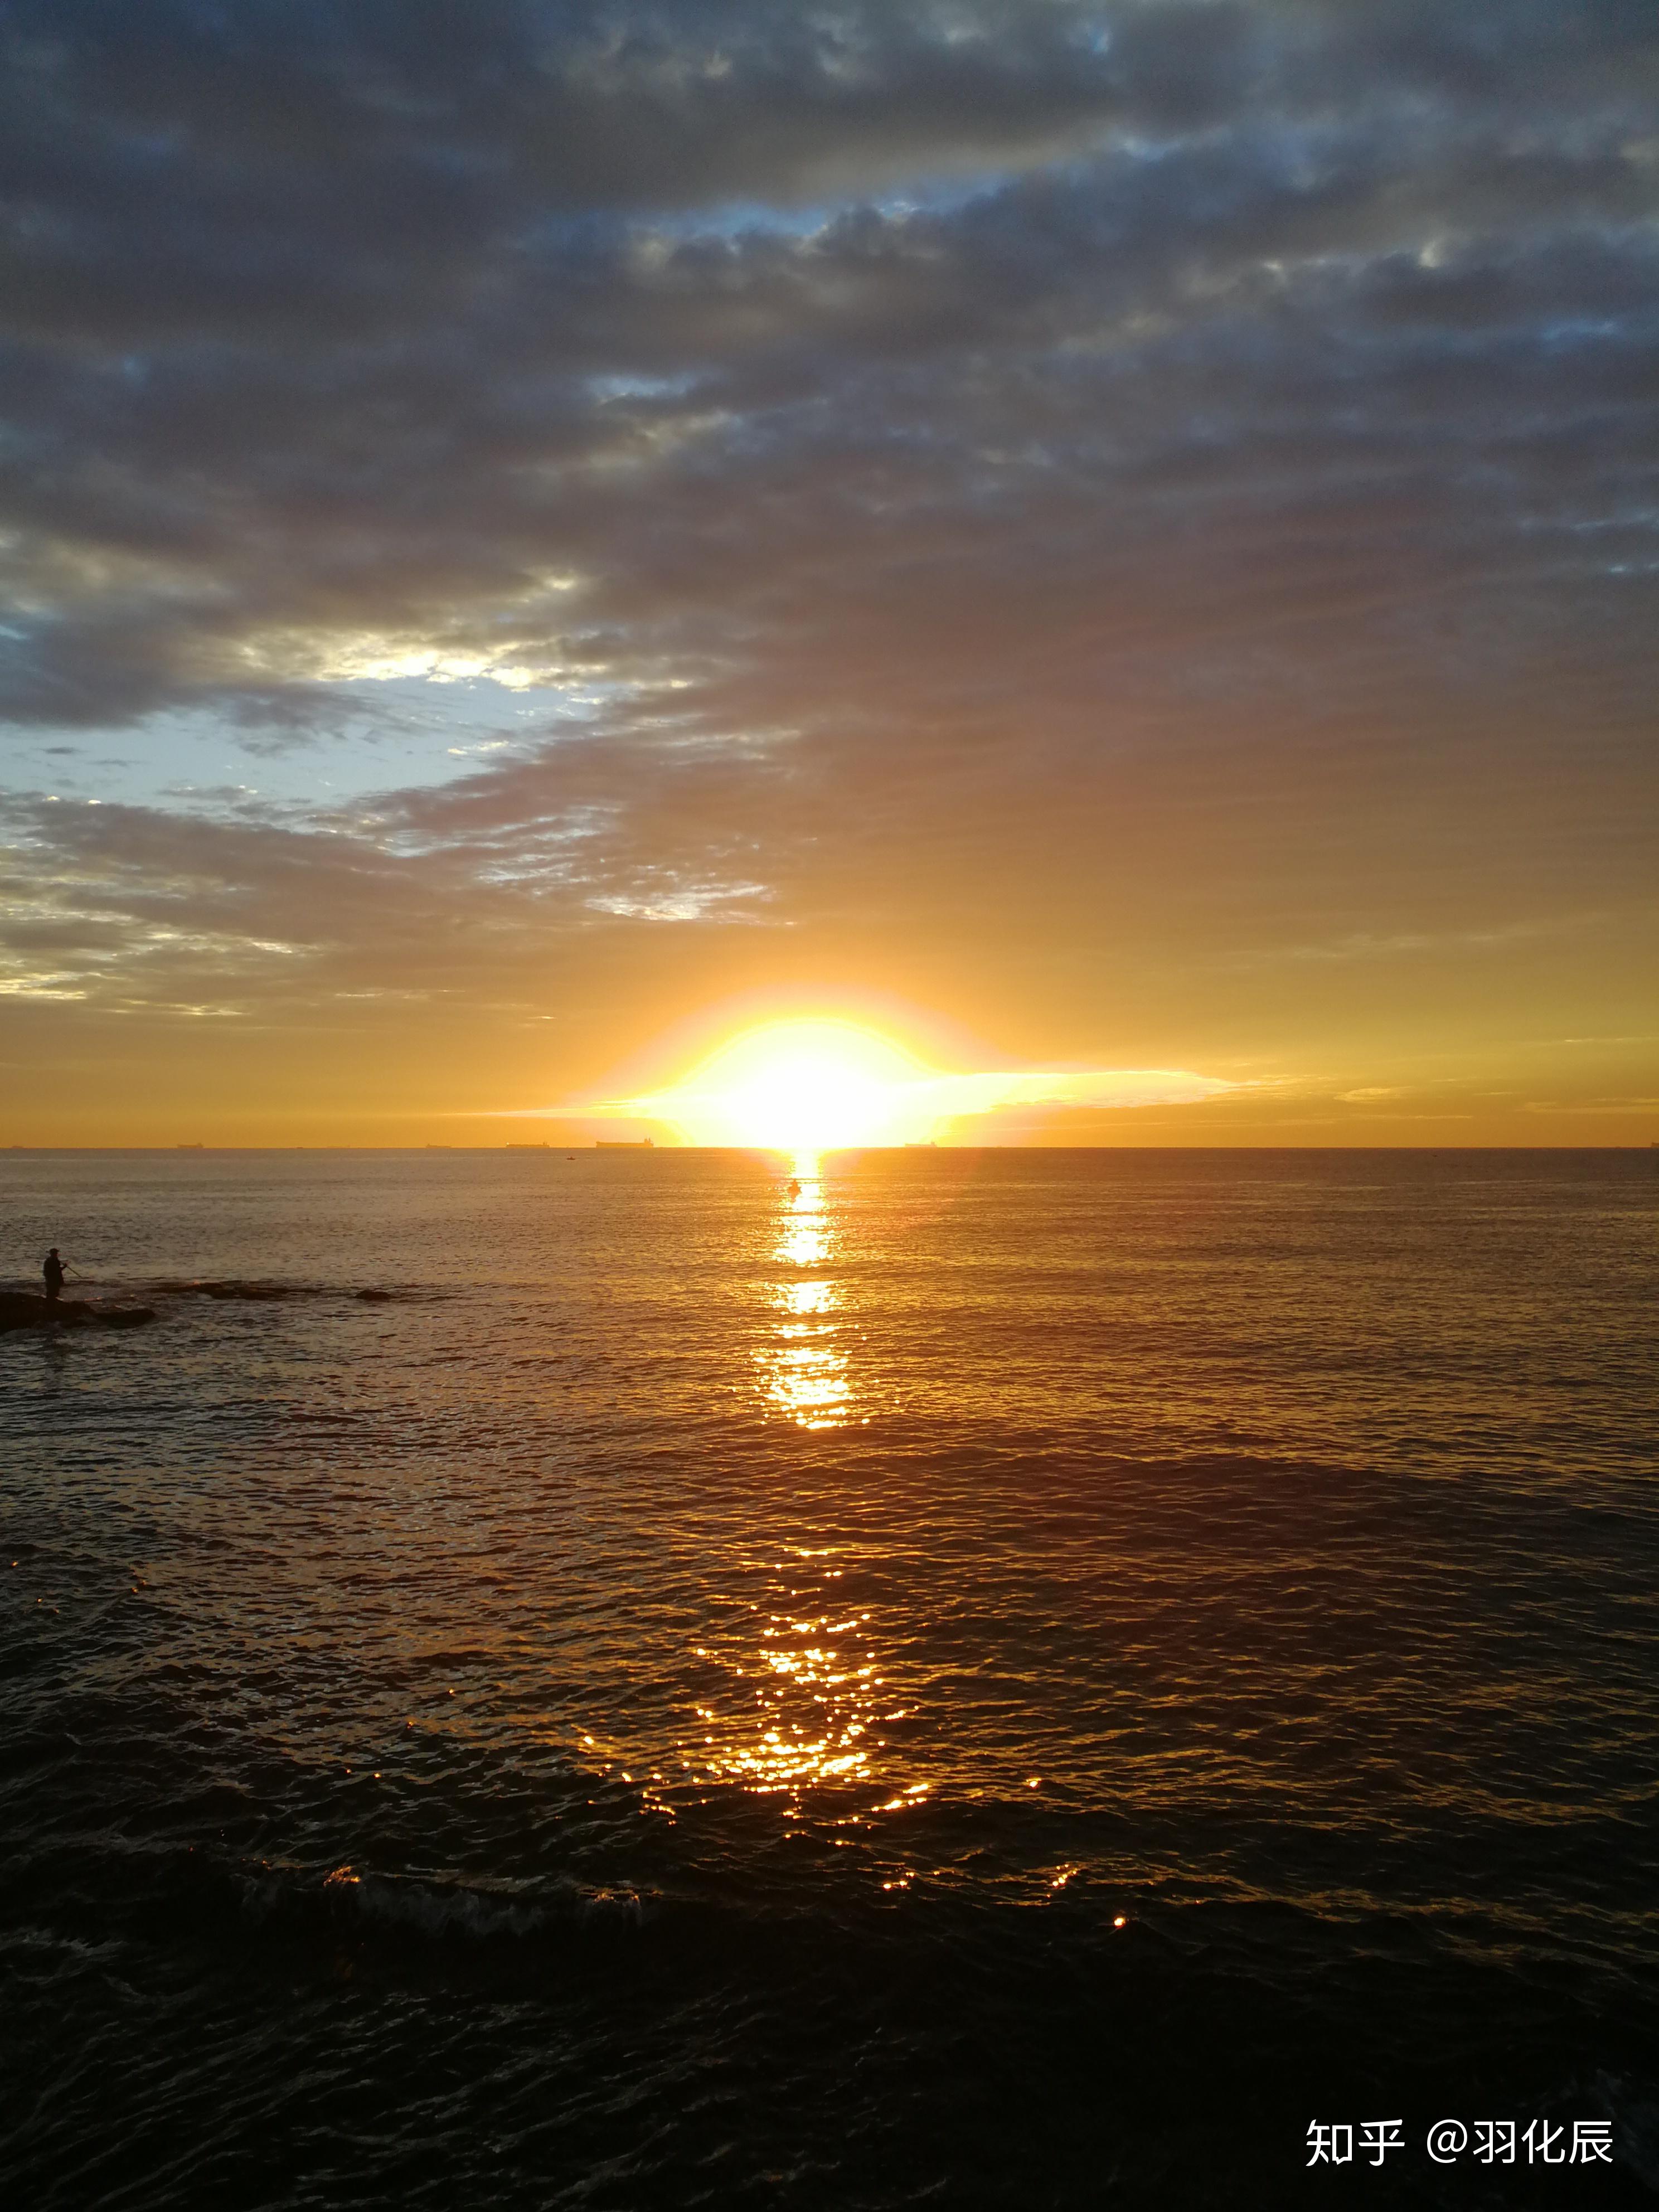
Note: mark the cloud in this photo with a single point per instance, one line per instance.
(381, 344)
(1086, 507)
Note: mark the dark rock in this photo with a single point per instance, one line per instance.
(23, 1309)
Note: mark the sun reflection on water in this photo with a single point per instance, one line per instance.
(805, 1696)
(815, 1701)
(802, 1704)
(803, 1370)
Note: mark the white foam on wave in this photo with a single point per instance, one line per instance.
(439, 1909)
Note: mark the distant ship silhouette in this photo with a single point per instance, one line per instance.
(624, 1145)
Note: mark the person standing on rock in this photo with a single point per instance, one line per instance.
(52, 1269)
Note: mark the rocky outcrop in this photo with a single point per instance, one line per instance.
(26, 1309)
(259, 1293)
(23, 1309)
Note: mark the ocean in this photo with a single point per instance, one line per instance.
(983, 1679)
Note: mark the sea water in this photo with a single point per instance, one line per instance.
(1016, 1679)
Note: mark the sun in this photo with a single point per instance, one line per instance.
(810, 1085)
(796, 1086)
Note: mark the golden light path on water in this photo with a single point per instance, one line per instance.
(803, 1368)
(808, 1692)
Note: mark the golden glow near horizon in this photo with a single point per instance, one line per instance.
(804, 1087)
(824, 1085)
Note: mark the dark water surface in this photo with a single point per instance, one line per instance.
(1011, 1679)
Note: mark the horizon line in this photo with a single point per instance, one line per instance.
(826, 1151)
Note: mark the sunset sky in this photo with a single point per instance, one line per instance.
(1085, 538)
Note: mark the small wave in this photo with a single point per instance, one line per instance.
(53, 1943)
(440, 1910)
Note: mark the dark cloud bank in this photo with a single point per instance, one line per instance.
(1135, 524)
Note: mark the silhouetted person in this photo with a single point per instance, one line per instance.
(52, 1269)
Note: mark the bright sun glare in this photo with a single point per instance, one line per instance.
(801, 1086)
(822, 1086)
